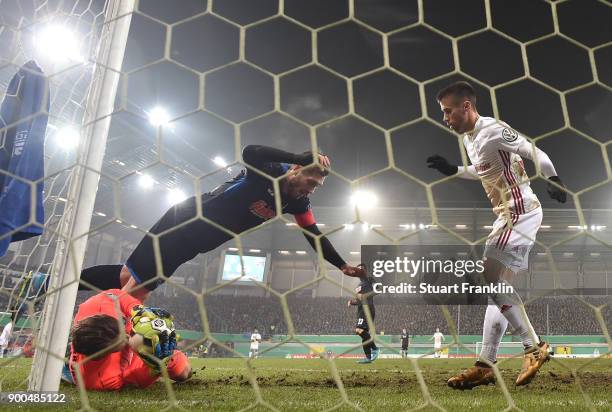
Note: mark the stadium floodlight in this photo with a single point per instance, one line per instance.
(290, 224)
(176, 196)
(355, 253)
(232, 249)
(321, 224)
(146, 181)
(300, 252)
(349, 226)
(255, 250)
(284, 252)
(374, 226)
(67, 137)
(545, 227)
(219, 161)
(578, 227)
(158, 116)
(58, 43)
(421, 226)
(365, 227)
(460, 226)
(100, 214)
(364, 199)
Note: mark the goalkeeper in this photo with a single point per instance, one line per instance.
(117, 342)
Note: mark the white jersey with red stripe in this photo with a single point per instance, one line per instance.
(492, 148)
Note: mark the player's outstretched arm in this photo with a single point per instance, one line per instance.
(443, 166)
(330, 254)
(257, 156)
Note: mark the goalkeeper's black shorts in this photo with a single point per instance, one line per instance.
(181, 238)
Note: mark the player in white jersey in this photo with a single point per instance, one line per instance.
(254, 348)
(5, 336)
(437, 337)
(495, 151)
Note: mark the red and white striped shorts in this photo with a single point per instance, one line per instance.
(512, 238)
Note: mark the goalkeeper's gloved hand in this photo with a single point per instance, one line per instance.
(441, 164)
(556, 192)
(156, 326)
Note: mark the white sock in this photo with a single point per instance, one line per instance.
(493, 330)
(510, 307)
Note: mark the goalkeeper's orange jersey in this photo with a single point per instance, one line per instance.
(122, 368)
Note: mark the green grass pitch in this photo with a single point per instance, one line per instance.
(309, 385)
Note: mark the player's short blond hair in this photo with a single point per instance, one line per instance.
(314, 170)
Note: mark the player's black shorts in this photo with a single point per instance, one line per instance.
(362, 323)
(362, 320)
(179, 242)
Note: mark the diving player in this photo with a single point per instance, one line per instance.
(238, 205)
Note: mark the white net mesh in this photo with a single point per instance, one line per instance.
(354, 78)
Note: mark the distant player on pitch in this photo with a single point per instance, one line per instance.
(438, 338)
(255, 340)
(496, 153)
(365, 295)
(5, 336)
(405, 342)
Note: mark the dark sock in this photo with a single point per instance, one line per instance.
(367, 349)
(482, 364)
(103, 277)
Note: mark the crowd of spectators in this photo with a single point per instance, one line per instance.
(326, 315)
(331, 315)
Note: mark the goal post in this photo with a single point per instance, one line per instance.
(56, 320)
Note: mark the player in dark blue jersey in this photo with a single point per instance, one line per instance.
(365, 296)
(236, 206)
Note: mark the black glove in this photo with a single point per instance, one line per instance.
(441, 165)
(555, 192)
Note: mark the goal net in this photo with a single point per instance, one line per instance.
(354, 79)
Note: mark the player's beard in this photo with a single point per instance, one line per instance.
(293, 190)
